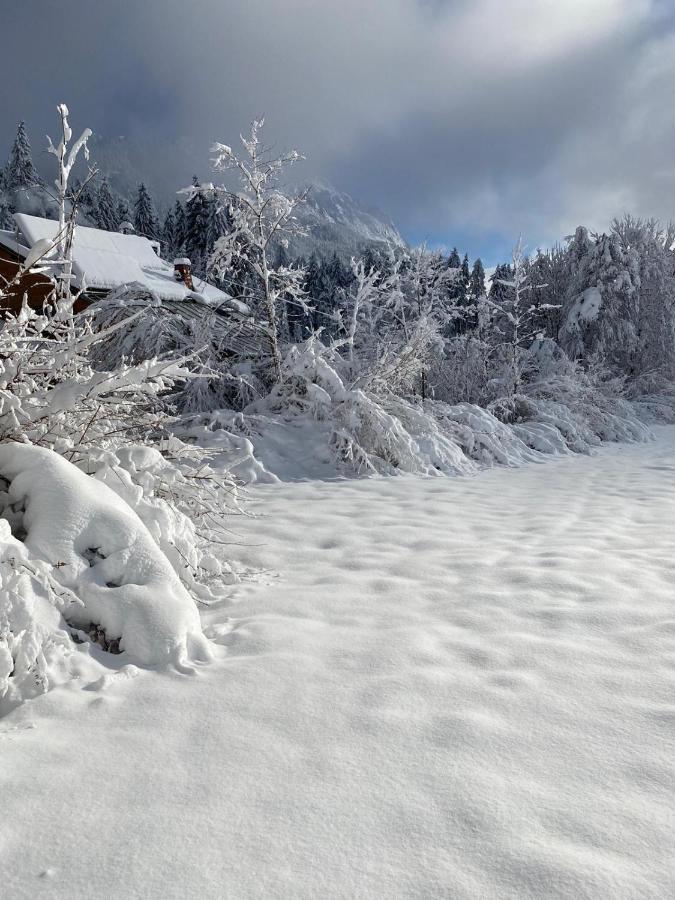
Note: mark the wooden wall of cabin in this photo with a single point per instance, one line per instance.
(37, 287)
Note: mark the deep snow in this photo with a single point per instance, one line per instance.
(440, 688)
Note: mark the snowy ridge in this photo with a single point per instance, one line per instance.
(335, 222)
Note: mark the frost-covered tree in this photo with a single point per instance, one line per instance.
(454, 259)
(603, 304)
(549, 273)
(145, 217)
(86, 195)
(314, 288)
(196, 224)
(6, 220)
(498, 290)
(217, 223)
(516, 324)
(618, 298)
(261, 214)
(179, 226)
(390, 322)
(20, 172)
(66, 156)
(654, 356)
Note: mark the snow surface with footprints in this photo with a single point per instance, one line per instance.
(457, 688)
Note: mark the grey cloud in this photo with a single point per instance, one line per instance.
(480, 117)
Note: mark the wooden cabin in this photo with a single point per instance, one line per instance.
(105, 261)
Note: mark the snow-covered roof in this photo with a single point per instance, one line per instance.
(105, 260)
(10, 240)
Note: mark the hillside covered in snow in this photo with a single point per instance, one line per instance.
(336, 223)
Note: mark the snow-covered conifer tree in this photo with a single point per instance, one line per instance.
(86, 197)
(196, 225)
(6, 220)
(217, 223)
(179, 226)
(654, 357)
(603, 303)
(498, 290)
(454, 259)
(20, 172)
(106, 208)
(169, 249)
(477, 281)
(145, 217)
(549, 273)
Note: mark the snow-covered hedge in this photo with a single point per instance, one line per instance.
(564, 411)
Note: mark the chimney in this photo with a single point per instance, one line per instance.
(182, 271)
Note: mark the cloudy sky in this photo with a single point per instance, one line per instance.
(467, 121)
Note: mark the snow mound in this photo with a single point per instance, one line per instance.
(100, 551)
(144, 478)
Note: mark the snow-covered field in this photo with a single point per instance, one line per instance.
(439, 688)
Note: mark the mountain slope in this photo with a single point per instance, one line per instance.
(334, 221)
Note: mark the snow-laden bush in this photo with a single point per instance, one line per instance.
(463, 373)
(151, 521)
(381, 432)
(656, 409)
(367, 434)
(109, 526)
(585, 405)
(50, 395)
(386, 434)
(481, 436)
(100, 551)
(182, 506)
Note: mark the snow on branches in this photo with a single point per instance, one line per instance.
(261, 216)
